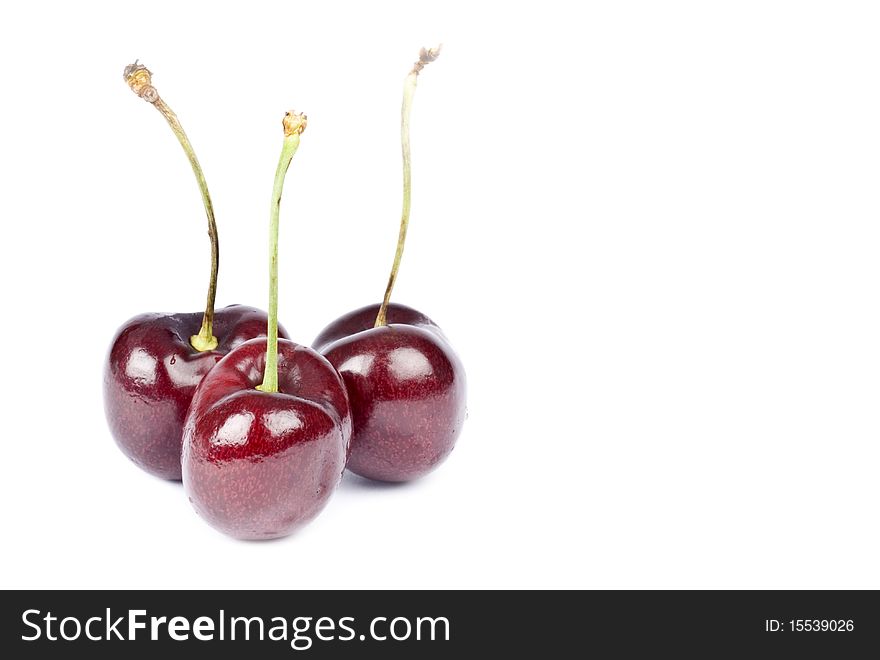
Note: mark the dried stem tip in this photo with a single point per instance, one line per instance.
(139, 78)
(426, 56)
(294, 123)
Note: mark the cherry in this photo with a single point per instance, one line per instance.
(268, 431)
(406, 386)
(151, 374)
(155, 361)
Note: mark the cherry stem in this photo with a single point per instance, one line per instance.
(426, 56)
(139, 79)
(294, 125)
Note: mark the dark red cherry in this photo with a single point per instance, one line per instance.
(151, 373)
(258, 465)
(156, 361)
(405, 384)
(406, 388)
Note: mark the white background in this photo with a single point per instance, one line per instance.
(651, 230)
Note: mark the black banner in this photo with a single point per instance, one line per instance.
(438, 624)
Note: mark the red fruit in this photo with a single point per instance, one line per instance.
(258, 465)
(151, 373)
(406, 388)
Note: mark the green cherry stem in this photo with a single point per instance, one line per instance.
(294, 125)
(139, 79)
(426, 56)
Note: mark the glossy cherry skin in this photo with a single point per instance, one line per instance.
(406, 387)
(151, 373)
(258, 465)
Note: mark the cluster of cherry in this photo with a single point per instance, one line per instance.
(258, 428)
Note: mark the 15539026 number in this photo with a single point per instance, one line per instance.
(821, 625)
